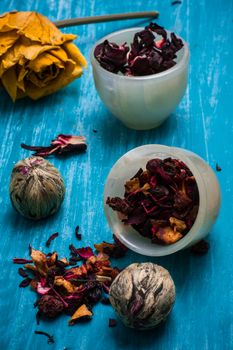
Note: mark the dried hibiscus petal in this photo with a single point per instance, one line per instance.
(77, 234)
(50, 337)
(21, 261)
(25, 282)
(85, 253)
(51, 238)
(61, 145)
(22, 272)
(111, 56)
(146, 56)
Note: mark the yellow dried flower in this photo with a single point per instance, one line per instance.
(36, 58)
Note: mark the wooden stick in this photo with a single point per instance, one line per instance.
(105, 18)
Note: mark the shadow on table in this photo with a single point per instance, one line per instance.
(136, 339)
(24, 225)
(113, 132)
(33, 106)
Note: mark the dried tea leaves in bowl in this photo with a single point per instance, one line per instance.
(161, 202)
(148, 54)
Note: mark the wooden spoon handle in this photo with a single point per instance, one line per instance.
(105, 18)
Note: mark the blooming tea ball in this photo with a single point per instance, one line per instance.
(36, 188)
(143, 295)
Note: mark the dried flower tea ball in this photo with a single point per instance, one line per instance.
(143, 295)
(37, 188)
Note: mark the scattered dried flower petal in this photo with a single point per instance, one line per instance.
(51, 238)
(71, 290)
(77, 234)
(21, 261)
(25, 282)
(81, 312)
(22, 272)
(63, 144)
(40, 261)
(85, 252)
(61, 282)
(50, 337)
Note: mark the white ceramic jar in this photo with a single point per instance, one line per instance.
(209, 197)
(141, 102)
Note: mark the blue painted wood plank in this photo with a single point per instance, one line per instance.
(203, 314)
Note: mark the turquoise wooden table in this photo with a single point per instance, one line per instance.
(203, 314)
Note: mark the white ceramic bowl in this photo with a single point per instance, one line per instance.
(141, 102)
(209, 197)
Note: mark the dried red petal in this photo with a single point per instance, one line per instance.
(111, 56)
(25, 282)
(22, 272)
(77, 234)
(21, 261)
(85, 253)
(147, 56)
(51, 238)
(61, 145)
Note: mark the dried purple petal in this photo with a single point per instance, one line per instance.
(94, 295)
(157, 29)
(112, 322)
(119, 204)
(51, 238)
(21, 261)
(22, 272)
(73, 250)
(50, 337)
(61, 145)
(147, 55)
(77, 234)
(111, 56)
(25, 282)
(85, 253)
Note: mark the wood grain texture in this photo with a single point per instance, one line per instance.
(202, 318)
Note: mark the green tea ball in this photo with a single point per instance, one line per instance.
(36, 188)
(143, 295)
